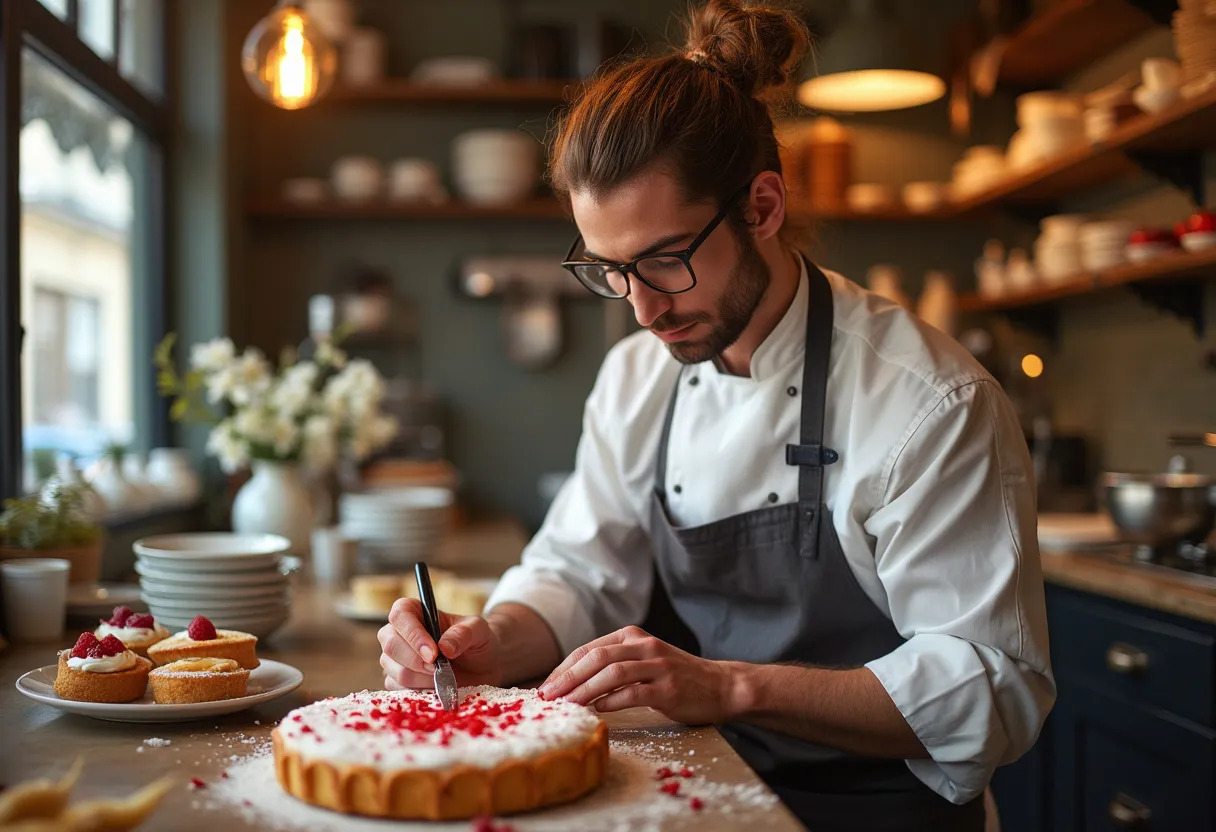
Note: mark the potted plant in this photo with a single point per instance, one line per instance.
(53, 525)
(304, 414)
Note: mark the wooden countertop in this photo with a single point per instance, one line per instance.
(1150, 586)
(337, 657)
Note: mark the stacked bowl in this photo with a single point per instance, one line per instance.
(397, 526)
(492, 167)
(1104, 244)
(238, 581)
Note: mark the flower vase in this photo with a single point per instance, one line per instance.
(276, 501)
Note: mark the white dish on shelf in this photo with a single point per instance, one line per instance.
(1198, 240)
(268, 681)
(164, 590)
(167, 571)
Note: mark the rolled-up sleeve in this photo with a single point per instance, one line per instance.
(588, 570)
(957, 555)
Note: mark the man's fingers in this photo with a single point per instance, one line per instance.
(615, 677)
(406, 618)
(581, 652)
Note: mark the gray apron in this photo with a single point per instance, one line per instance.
(772, 585)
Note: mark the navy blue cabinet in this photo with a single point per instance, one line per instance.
(1131, 743)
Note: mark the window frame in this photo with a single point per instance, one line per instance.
(29, 24)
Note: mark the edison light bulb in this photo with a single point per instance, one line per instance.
(287, 60)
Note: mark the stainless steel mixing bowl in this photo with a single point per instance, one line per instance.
(1161, 511)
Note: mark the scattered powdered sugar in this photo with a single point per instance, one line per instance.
(629, 800)
(157, 742)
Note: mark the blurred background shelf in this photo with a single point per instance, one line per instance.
(539, 208)
(1167, 267)
(1066, 38)
(502, 92)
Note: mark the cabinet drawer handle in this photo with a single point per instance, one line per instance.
(1127, 813)
(1125, 659)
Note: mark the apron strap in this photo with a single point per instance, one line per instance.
(810, 456)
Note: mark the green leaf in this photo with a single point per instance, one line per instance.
(179, 408)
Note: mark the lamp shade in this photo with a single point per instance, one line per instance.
(868, 64)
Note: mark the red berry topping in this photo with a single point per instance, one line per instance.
(686, 772)
(663, 773)
(119, 617)
(84, 644)
(195, 783)
(111, 646)
(697, 804)
(141, 620)
(201, 629)
(672, 788)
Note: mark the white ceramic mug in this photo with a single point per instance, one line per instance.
(35, 597)
(363, 53)
(333, 556)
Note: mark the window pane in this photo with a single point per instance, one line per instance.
(82, 167)
(58, 7)
(141, 44)
(96, 26)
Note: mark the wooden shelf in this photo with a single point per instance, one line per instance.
(1067, 37)
(499, 92)
(538, 208)
(1166, 267)
(895, 213)
(1190, 124)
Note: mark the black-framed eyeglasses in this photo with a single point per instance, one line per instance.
(669, 272)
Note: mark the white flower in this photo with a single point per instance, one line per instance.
(328, 355)
(253, 424)
(320, 449)
(290, 397)
(212, 355)
(284, 435)
(232, 451)
(371, 434)
(220, 385)
(304, 374)
(251, 377)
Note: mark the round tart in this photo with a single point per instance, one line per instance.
(201, 639)
(137, 631)
(398, 754)
(197, 680)
(101, 671)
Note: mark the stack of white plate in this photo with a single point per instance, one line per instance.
(1104, 244)
(398, 526)
(238, 581)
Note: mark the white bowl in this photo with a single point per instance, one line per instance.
(202, 592)
(1140, 252)
(1154, 100)
(1198, 240)
(176, 607)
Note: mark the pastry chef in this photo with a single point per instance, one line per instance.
(797, 512)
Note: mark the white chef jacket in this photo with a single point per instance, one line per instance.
(932, 500)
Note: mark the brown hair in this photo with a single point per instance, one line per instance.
(696, 111)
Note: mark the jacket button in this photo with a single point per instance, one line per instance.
(676, 489)
(772, 498)
(694, 381)
(793, 391)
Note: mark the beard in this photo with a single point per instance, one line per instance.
(745, 287)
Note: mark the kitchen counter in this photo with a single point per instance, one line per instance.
(337, 657)
(1149, 586)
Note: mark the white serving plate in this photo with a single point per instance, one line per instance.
(171, 571)
(202, 592)
(267, 682)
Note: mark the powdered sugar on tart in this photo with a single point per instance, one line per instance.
(395, 730)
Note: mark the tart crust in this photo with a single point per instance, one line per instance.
(89, 686)
(228, 644)
(197, 680)
(460, 791)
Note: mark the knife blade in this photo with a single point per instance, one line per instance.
(445, 678)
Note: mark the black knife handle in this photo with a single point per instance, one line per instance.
(430, 611)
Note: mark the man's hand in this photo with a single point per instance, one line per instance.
(408, 651)
(631, 668)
